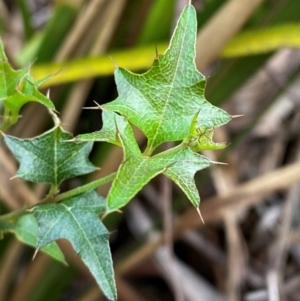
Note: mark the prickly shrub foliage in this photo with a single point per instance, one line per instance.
(167, 103)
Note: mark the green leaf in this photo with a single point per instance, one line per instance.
(179, 164)
(135, 171)
(163, 101)
(26, 231)
(16, 89)
(77, 221)
(183, 171)
(49, 158)
(9, 78)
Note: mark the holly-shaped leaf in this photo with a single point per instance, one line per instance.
(179, 164)
(77, 221)
(49, 158)
(16, 89)
(163, 101)
(135, 171)
(182, 172)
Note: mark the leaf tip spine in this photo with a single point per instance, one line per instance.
(98, 105)
(112, 232)
(14, 177)
(219, 163)
(35, 253)
(90, 108)
(55, 118)
(236, 116)
(114, 62)
(199, 213)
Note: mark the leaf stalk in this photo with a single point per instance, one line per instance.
(59, 198)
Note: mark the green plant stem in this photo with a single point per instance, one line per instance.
(84, 188)
(148, 151)
(13, 215)
(59, 198)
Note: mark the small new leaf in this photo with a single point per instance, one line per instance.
(49, 158)
(201, 138)
(77, 221)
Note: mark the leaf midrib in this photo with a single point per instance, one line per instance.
(171, 87)
(72, 216)
(91, 246)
